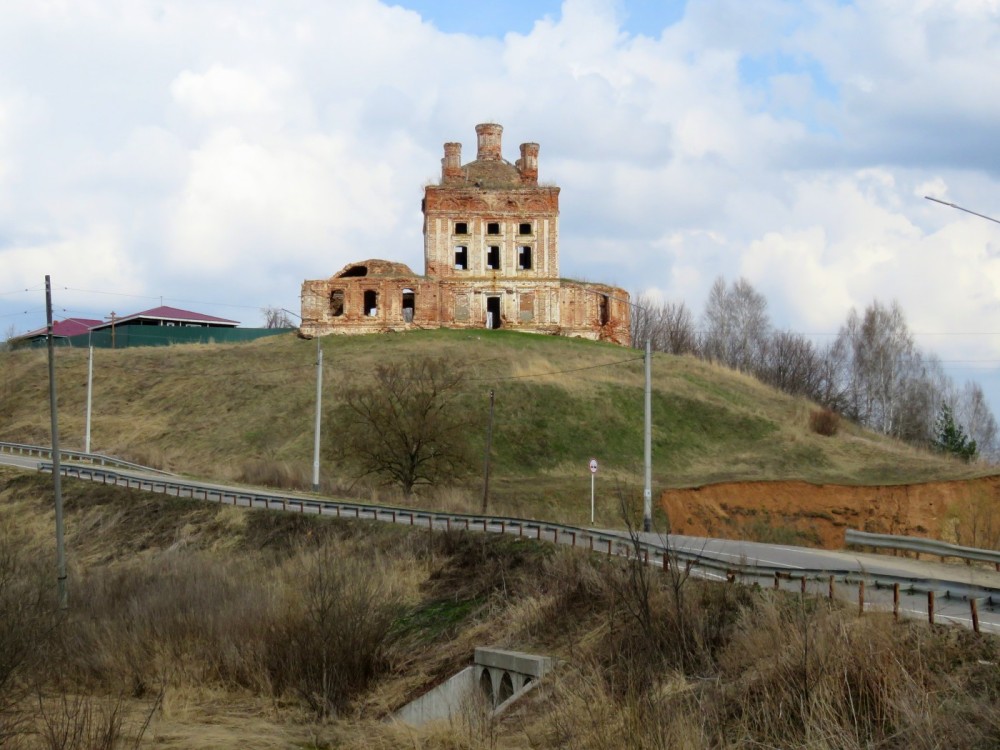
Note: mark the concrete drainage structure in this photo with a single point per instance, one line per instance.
(497, 679)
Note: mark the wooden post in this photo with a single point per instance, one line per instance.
(930, 607)
(861, 596)
(974, 608)
(609, 546)
(777, 580)
(573, 543)
(895, 602)
(803, 584)
(447, 523)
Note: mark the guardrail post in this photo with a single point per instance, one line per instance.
(645, 556)
(895, 602)
(539, 531)
(861, 596)
(930, 607)
(447, 523)
(974, 609)
(520, 529)
(573, 539)
(803, 584)
(503, 527)
(609, 546)
(777, 580)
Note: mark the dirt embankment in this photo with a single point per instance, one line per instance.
(966, 512)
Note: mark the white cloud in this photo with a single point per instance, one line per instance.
(234, 150)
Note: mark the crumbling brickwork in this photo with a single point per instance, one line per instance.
(491, 260)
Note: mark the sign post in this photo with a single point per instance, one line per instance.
(593, 473)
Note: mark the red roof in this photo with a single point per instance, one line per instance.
(68, 327)
(169, 313)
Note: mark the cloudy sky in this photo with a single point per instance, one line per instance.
(216, 153)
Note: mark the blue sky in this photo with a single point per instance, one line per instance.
(221, 153)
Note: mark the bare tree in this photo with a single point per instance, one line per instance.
(791, 363)
(974, 414)
(407, 424)
(669, 327)
(735, 325)
(275, 317)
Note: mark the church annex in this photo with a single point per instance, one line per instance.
(491, 260)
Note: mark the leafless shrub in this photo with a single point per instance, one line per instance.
(334, 641)
(27, 622)
(86, 723)
(824, 422)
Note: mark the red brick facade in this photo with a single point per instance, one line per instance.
(491, 259)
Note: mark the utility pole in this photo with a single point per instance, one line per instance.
(56, 469)
(647, 492)
(113, 330)
(90, 392)
(486, 460)
(319, 402)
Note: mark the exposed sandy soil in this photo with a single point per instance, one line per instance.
(966, 512)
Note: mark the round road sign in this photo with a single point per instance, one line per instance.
(593, 466)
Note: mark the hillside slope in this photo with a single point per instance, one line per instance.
(211, 622)
(245, 412)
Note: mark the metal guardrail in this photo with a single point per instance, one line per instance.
(609, 543)
(917, 545)
(41, 451)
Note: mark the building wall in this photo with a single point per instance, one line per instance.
(487, 203)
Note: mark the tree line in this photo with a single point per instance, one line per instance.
(872, 372)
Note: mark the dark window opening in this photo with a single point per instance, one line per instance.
(355, 271)
(408, 305)
(492, 312)
(461, 257)
(493, 258)
(604, 310)
(337, 303)
(371, 303)
(524, 229)
(461, 227)
(524, 258)
(493, 228)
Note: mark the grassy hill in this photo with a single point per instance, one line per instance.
(245, 412)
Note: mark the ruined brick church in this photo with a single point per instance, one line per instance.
(491, 260)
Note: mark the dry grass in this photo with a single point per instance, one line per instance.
(245, 413)
(219, 620)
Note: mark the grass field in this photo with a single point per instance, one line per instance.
(245, 412)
